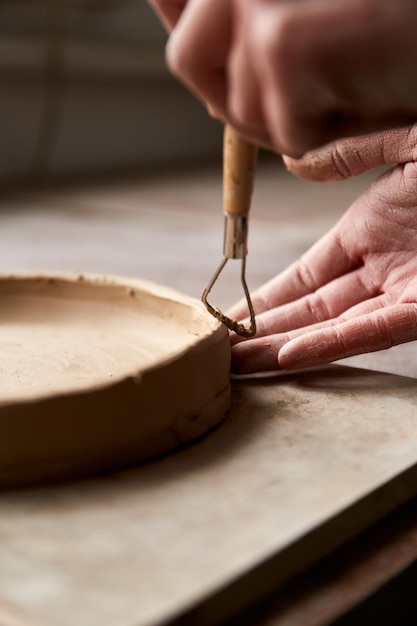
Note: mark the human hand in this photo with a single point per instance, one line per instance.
(292, 75)
(355, 290)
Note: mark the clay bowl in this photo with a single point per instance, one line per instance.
(99, 373)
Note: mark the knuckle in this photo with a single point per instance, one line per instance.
(340, 161)
(275, 36)
(173, 55)
(262, 301)
(282, 32)
(318, 308)
(262, 327)
(281, 50)
(411, 319)
(412, 141)
(179, 57)
(278, 34)
(382, 331)
(305, 276)
(241, 112)
(340, 341)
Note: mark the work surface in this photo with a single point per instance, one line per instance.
(107, 549)
(301, 465)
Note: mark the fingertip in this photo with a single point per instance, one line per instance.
(299, 354)
(316, 166)
(251, 356)
(178, 59)
(287, 361)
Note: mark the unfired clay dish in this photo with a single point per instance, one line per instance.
(96, 373)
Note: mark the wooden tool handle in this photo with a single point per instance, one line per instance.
(239, 160)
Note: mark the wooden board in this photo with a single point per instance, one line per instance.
(303, 463)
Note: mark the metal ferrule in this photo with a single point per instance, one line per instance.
(235, 236)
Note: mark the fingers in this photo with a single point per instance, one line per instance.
(351, 294)
(257, 355)
(326, 303)
(330, 70)
(351, 157)
(169, 11)
(281, 64)
(378, 330)
(261, 353)
(297, 75)
(323, 262)
(367, 328)
(197, 50)
(243, 102)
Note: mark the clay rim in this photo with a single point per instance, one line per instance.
(212, 329)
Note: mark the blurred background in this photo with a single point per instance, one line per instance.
(84, 89)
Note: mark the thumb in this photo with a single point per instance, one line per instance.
(353, 156)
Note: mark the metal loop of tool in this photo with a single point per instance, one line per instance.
(233, 325)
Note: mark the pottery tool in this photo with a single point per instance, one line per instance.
(239, 159)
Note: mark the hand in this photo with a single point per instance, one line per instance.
(292, 75)
(355, 290)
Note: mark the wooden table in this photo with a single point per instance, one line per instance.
(168, 228)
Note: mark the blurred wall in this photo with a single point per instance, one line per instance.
(84, 88)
